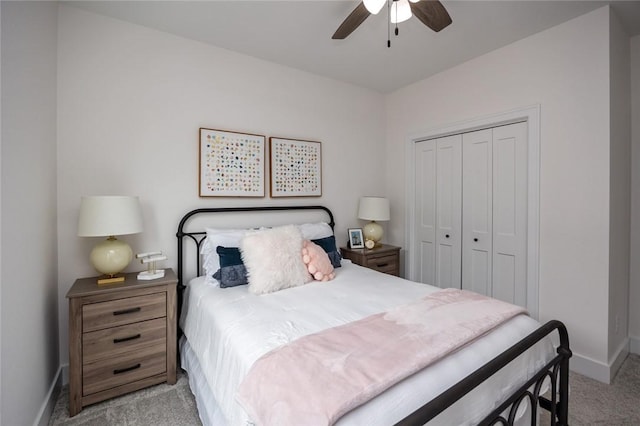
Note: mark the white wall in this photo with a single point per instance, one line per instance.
(131, 100)
(634, 291)
(566, 70)
(29, 286)
(0, 212)
(620, 192)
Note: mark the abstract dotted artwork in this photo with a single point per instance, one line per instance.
(231, 164)
(296, 168)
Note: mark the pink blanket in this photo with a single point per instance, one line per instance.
(318, 378)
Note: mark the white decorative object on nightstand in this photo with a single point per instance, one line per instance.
(150, 260)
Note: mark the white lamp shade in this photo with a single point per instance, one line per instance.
(400, 11)
(374, 6)
(374, 208)
(103, 216)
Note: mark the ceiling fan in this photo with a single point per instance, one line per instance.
(430, 12)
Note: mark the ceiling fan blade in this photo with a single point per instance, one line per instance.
(432, 13)
(357, 17)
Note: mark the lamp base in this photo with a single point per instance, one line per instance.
(111, 256)
(110, 280)
(373, 231)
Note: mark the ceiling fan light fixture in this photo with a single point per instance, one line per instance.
(374, 6)
(400, 11)
(430, 12)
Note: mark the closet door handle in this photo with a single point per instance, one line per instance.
(446, 236)
(475, 239)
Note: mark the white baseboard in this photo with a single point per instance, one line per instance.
(597, 370)
(634, 345)
(618, 358)
(49, 403)
(65, 374)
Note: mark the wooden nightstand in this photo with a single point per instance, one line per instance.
(385, 258)
(122, 337)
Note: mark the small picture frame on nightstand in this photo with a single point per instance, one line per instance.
(356, 239)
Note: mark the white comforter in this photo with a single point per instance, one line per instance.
(229, 329)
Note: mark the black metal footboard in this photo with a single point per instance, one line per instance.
(557, 370)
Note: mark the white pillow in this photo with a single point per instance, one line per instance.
(215, 238)
(273, 258)
(315, 231)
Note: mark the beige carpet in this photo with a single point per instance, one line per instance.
(160, 405)
(590, 403)
(595, 403)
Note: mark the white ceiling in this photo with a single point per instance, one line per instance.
(298, 33)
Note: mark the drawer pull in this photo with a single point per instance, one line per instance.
(126, 339)
(382, 265)
(124, 370)
(127, 311)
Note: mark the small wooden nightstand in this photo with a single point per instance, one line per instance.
(385, 258)
(122, 337)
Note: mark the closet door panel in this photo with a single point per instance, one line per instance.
(510, 213)
(477, 272)
(504, 277)
(448, 211)
(425, 215)
(477, 211)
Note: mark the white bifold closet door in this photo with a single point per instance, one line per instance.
(509, 251)
(471, 207)
(438, 203)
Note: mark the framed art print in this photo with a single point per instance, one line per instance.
(356, 239)
(231, 164)
(296, 168)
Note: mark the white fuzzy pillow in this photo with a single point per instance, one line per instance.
(273, 259)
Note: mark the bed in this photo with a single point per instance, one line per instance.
(508, 375)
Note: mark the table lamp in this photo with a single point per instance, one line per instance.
(108, 216)
(373, 209)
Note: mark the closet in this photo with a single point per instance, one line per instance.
(471, 212)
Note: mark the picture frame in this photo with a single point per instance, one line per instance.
(296, 168)
(232, 164)
(356, 239)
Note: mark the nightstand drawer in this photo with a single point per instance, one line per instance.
(113, 372)
(102, 315)
(113, 342)
(387, 264)
(384, 258)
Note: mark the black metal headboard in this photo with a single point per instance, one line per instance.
(198, 236)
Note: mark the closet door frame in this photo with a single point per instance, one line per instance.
(529, 114)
